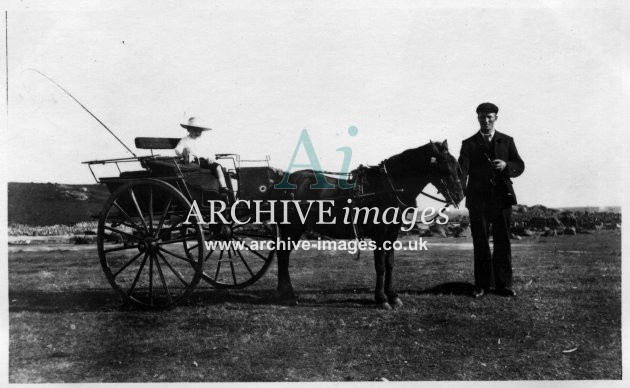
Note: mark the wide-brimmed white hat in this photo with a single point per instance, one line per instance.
(195, 122)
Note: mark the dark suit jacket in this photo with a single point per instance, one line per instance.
(478, 175)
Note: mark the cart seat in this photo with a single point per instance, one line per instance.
(157, 143)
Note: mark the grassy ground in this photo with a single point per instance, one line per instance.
(66, 325)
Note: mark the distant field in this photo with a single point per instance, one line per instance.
(66, 325)
(53, 203)
(52, 230)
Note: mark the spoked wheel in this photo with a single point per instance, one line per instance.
(140, 236)
(245, 260)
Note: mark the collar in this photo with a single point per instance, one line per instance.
(492, 133)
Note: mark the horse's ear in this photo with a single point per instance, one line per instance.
(434, 147)
(445, 144)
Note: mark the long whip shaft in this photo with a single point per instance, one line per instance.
(86, 109)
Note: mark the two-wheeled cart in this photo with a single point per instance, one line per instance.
(150, 255)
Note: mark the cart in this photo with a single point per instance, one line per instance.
(150, 256)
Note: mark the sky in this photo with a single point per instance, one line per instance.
(403, 73)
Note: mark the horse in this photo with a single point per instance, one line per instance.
(395, 182)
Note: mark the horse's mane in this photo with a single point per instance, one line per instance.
(407, 160)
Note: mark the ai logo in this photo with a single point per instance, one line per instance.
(322, 183)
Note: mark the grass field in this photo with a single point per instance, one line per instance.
(66, 324)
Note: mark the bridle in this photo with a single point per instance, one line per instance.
(443, 189)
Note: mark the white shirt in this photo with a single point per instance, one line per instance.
(196, 148)
(489, 138)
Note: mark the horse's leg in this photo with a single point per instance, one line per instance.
(392, 296)
(379, 266)
(285, 288)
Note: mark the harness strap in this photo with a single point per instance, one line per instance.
(388, 180)
(422, 192)
(394, 190)
(391, 185)
(332, 172)
(435, 198)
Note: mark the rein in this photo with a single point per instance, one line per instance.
(332, 172)
(435, 198)
(394, 190)
(449, 201)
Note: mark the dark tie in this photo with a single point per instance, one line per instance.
(487, 138)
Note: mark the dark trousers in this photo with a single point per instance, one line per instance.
(497, 265)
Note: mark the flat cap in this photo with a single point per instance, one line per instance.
(487, 107)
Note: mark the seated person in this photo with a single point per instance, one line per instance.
(190, 150)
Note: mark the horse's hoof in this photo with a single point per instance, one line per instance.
(291, 302)
(287, 299)
(384, 306)
(396, 302)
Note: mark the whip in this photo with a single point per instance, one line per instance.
(83, 106)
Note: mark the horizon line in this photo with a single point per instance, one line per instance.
(462, 208)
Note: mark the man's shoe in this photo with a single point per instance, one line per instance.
(506, 292)
(478, 292)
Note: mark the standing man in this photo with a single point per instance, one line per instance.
(488, 160)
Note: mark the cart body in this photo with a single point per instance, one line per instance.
(150, 253)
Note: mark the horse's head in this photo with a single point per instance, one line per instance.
(444, 172)
(430, 163)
